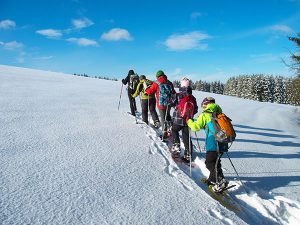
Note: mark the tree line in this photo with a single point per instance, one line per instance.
(97, 77)
(260, 87)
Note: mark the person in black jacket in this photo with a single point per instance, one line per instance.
(132, 80)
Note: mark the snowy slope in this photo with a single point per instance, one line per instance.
(68, 156)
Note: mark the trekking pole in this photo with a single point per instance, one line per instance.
(190, 152)
(198, 142)
(144, 88)
(120, 96)
(237, 173)
(149, 110)
(216, 165)
(165, 123)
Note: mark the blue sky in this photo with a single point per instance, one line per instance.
(209, 40)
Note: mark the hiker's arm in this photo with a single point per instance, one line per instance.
(198, 124)
(195, 107)
(151, 90)
(173, 101)
(137, 91)
(125, 81)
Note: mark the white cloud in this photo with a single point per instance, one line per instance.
(83, 41)
(266, 57)
(82, 23)
(116, 34)
(50, 33)
(195, 15)
(181, 42)
(277, 29)
(7, 24)
(281, 28)
(13, 45)
(44, 57)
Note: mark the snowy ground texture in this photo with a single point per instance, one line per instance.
(68, 156)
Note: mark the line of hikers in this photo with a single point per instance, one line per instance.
(161, 94)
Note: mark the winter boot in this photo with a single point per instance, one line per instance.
(220, 186)
(186, 159)
(156, 124)
(176, 149)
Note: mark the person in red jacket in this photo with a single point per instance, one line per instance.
(163, 90)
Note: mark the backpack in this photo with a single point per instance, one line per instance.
(147, 84)
(186, 107)
(165, 93)
(225, 132)
(133, 81)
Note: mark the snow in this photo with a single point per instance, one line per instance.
(69, 156)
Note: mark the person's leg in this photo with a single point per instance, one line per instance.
(134, 104)
(164, 126)
(162, 113)
(175, 133)
(131, 103)
(168, 118)
(219, 168)
(187, 144)
(152, 105)
(144, 105)
(210, 163)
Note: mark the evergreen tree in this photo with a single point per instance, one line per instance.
(296, 56)
(279, 89)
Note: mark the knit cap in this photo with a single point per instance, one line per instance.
(159, 73)
(185, 82)
(208, 100)
(142, 77)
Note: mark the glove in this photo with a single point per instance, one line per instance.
(123, 81)
(188, 118)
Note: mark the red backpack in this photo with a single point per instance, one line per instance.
(186, 107)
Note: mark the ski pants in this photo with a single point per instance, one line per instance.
(164, 119)
(132, 102)
(152, 105)
(185, 138)
(212, 164)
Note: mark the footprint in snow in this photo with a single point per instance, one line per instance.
(216, 214)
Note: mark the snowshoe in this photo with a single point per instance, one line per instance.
(156, 124)
(175, 149)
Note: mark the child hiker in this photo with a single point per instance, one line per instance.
(214, 149)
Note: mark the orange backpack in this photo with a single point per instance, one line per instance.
(225, 132)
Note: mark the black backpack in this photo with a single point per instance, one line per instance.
(133, 81)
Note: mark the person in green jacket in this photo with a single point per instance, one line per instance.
(214, 149)
(147, 101)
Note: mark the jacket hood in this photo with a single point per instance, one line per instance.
(130, 72)
(162, 79)
(212, 107)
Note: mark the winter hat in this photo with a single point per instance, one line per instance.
(130, 72)
(159, 73)
(185, 82)
(142, 77)
(208, 100)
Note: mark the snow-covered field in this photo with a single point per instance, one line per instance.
(68, 156)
